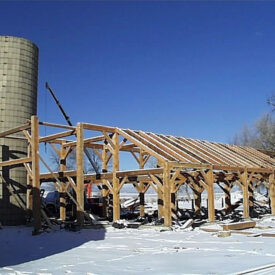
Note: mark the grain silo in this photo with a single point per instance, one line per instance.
(18, 101)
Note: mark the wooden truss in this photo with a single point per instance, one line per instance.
(199, 164)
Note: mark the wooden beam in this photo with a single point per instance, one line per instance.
(79, 174)
(56, 136)
(35, 174)
(272, 192)
(142, 146)
(15, 130)
(244, 181)
(167, 195)
(116, 186)
(57, 125)
(15, 161)
(86, 141)
(29, 182)
(209, 180)
(62, 199)
(99, 128)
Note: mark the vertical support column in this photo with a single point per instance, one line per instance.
(62, 194)
(197, 197)
(167, 195)
(211, 199)
(79, 173)
(35, 174)
(227, 196)
(160, 203)
(272, 192)
(250, 197)
(173, 206)
(141, 193)
(244, 181)
(116, 202)
(105, 190)
(209, 180)
(29, 185)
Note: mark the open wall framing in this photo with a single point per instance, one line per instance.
(180, 161)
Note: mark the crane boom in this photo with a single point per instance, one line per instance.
(70, 123)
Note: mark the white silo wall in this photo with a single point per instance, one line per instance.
(18, 102)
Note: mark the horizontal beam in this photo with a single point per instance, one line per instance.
(15, 161)
(57, 125)
(242, 168)
(15, 130)
(87, 140)
(104, 176)
(100, 128)
(56, 136)
(176, 164)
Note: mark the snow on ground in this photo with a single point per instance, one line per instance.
(152, 250)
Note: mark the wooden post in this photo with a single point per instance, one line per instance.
(272, 192)
(227, 196)
(197, 197)
(250, 197)
(173, 206)
(167, 195)
(35, 174)
(209, 180)
(79, 173)
(160, 203)
(62, 192)
(105, 190)
(29, 184)
(116, 202)
(244, 180)
(141, 194)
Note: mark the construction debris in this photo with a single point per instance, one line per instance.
(239, 225)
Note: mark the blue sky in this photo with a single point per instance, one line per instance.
(195, 69)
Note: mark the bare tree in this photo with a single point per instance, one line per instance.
(71, 162)
(262, 134)
(271, 102)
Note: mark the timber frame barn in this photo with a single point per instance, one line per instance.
(199, 164)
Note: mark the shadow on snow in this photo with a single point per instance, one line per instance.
(17, 245)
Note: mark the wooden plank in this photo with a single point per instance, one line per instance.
(29, 182)
(15, 161)
(35, 174)
(201, 151)
(244, 180)
(220, 158)
(79, 173)
(86, 141)
(99, 128)
(209, 180)
(261, 162)
(181, 144)
(56, 136)
(165, 146)
(248, 156)
(167, 195)
(239, 225)
(190, 165)
(15, 130)
(17, 138)
(149, 145)
(272, 192)
(116, 186)
(62, 199)
(142, 146)
(233, 155)
(57, 125)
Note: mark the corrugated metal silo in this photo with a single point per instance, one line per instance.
(18, 102)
